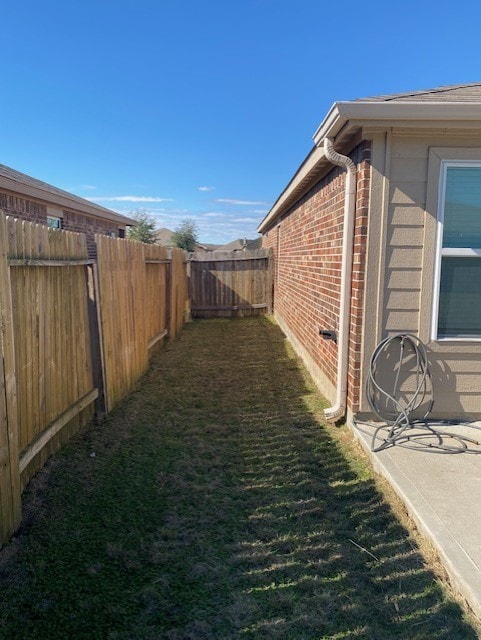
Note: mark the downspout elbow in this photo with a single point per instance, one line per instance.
(338, 410)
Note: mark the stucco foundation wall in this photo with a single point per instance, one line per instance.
(307, 247)
(406, 265)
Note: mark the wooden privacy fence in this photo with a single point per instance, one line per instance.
(236, 283)
(74, 334)
(47, 363)
(143, 298)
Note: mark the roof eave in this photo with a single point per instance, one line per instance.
(365, 111)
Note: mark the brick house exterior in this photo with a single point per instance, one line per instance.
(307, 247)
(400, 145)
(24, 197)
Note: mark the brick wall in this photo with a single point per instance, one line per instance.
(90, 226)
(307, 246)
(22, 208)
(32, 211)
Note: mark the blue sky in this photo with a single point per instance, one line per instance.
(205, 109)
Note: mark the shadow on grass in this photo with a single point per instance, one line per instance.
(217, 506)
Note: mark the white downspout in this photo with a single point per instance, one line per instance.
(338, 410)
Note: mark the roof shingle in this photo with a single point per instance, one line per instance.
(453, 93)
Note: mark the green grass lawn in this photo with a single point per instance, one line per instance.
(213, 503)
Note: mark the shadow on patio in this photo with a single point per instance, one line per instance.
(213, 504)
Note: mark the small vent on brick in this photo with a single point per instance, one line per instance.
(328, 335)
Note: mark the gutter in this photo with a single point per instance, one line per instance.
(338, 410)
(406, 110)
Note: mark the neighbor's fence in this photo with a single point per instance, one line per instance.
(74, 333)
(229, 284)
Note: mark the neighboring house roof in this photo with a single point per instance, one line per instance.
(235, 245)
(254, 244)
(17, 182)
(241, 244)
(164, 238)
(456, 103)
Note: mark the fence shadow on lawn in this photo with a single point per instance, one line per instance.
(257, 527)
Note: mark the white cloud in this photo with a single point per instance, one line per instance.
(211, 214)
(162, 210)
(246, 220)
(88, 187)
(206, 188)
(130, 199)
(240, 202)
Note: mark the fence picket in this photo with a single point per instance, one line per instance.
(10, 515)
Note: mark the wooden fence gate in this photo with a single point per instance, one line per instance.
(230, 284)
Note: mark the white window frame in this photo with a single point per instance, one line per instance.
(461, 252)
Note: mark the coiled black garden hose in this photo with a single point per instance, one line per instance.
(396, 408)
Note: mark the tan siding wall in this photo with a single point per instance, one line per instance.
(408, 258)
(405, 235)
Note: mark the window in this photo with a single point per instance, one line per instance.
(458, 271)
(53, 222)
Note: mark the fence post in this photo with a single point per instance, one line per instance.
(168, 294)
(173, 291)
(270, 282)
(188, 277)
(96, 339)
(10, 490)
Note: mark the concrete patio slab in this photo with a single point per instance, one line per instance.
(442, 493)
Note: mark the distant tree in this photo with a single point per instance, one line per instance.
(186, 235)
(144, 228)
